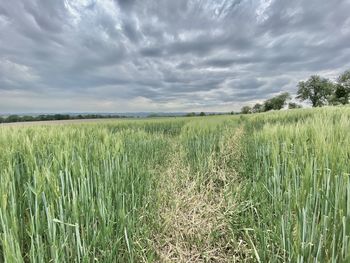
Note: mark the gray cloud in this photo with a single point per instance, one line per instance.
(132, 55)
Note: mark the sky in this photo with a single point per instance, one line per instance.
(164, 55)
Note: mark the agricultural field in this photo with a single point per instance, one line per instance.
(267, 187)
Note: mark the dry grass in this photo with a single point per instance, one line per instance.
(194, 215)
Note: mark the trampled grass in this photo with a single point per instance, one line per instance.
(270, 187)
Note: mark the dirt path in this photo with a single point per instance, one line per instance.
(194, 215)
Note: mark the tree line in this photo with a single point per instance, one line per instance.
(55, 117)
(319, 91)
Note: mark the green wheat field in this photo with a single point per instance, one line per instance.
(269, 187)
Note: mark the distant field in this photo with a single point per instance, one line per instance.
(31, 123)
(271, 187)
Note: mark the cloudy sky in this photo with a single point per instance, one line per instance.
(164, 55)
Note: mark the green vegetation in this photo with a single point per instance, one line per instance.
(76, 193)
(85, 192)
(296, 206)
(293, 105)
(317, 90)
(56, 117)
(275, 103)
(248, 109)
(269, 187)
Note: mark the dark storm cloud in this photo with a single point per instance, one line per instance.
(125, 55)
(125, 4)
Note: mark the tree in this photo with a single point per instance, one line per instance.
(28, 118)
(246, 110)
(277, 102)
(153, 115)
(13, 118)
(202, 114)
(293, 105)
(344, 80)
(340, 96)
(316, 89)
(342, 89)
(190, 114)
(258, 108)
